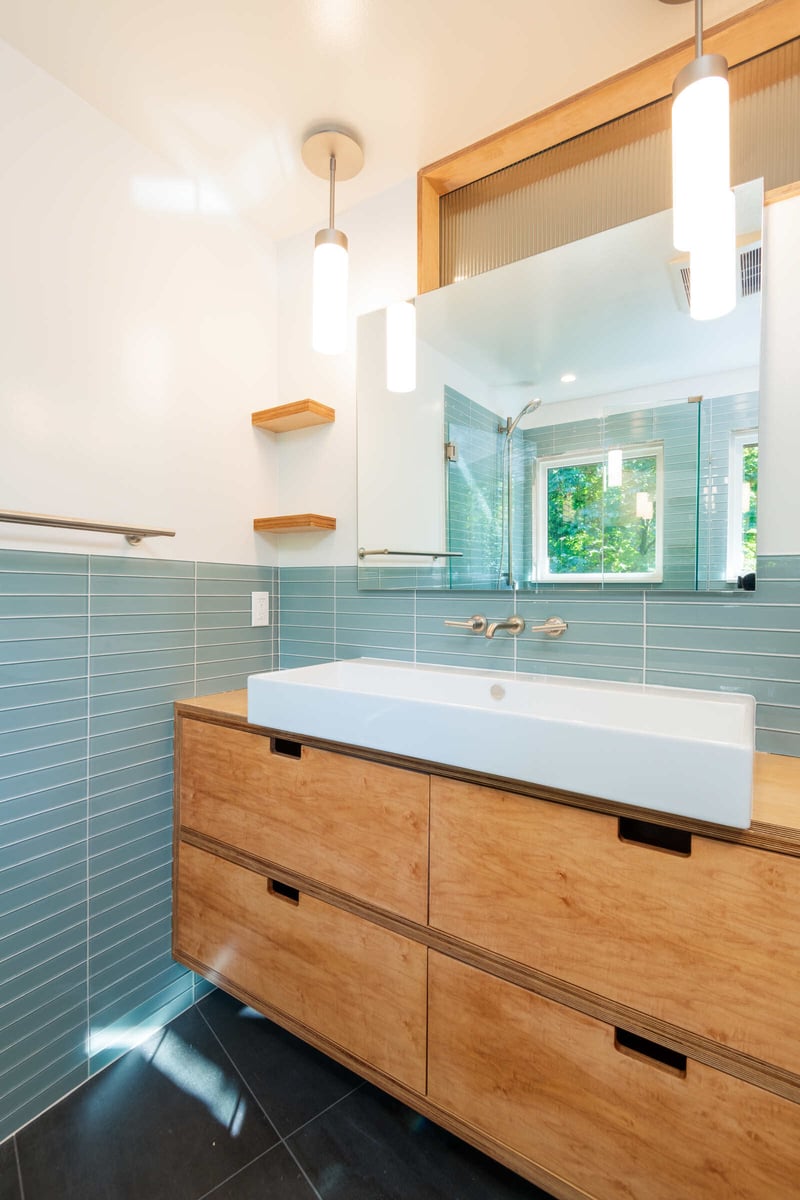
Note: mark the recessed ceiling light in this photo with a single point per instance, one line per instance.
(568, 377)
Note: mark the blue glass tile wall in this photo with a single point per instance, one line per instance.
(93, 651)
(718, 641)
(476, 496)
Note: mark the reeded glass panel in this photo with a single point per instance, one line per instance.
(617, 173)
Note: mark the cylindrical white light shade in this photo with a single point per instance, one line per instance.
(401, 347)
(712, 261)
(644, 506)
(614, 469)
(701, 156)
(329, 310)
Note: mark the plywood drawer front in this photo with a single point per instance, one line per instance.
(549, 1082)
(709, 942)
(357, 826)
(361, 986)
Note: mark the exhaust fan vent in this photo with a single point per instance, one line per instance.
(748, 276)
(750, 270)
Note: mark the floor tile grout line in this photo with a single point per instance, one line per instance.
(322, 1111)
(301, 1169)
(281, 1141)
(223, 1182)
(245, 1084)
(19, 1169)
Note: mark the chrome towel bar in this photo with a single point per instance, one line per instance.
(132, 533)
(362, 553)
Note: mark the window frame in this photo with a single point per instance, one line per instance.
(739, 438)
(540, 514)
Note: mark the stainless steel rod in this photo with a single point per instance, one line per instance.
(134, 533)
(510, 518)
(332, 192)
(362, 553)
(698, 28)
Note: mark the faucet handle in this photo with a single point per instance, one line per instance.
(476, 623)
(553, 627)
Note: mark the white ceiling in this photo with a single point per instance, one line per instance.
(226, 90)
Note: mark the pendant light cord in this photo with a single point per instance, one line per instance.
(332, 189)
(698, 28)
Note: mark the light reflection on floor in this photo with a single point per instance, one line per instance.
(190, 1071)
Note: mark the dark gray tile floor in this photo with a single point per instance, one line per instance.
(223, 1104)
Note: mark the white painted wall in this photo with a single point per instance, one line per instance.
(401, 474)
(317, 466)
(139, 328)
(779, 423)
(318, 471)
(137, 334)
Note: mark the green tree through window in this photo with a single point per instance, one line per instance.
(595, 530)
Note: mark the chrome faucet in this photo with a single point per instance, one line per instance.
(514, 625)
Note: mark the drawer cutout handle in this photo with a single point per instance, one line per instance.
(286, 747)
(650, 1052)
(283, 891)
(658, 837)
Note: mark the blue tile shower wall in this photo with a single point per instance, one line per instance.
(93, 651)
(718, 641)
(476, 498)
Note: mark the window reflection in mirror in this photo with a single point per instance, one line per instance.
(622, 476)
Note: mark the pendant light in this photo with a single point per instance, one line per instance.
(703, 205)
(701, 157)
(330, 154)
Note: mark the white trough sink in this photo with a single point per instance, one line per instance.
(675, 750)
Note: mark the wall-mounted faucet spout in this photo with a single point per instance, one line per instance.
(515, 625)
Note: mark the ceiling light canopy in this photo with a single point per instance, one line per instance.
(328, 154)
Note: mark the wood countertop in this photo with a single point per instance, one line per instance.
(776, 784)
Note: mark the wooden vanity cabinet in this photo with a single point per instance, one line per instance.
(580, 1099)
(608, 1006)
(354, 825)
(690, 933)
(357, 984)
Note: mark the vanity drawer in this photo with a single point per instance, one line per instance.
(708, 941)
(357, 826)
(359, 985)
(558, 1087)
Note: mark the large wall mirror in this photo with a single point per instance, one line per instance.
(570, 424)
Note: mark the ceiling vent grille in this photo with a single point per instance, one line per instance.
(748, 277)
(750, 270)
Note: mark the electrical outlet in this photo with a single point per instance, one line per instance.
(259, 610)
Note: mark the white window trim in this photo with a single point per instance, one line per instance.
(739, 439)
(539, 498)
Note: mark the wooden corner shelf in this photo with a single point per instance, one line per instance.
(294, 416)
(295, 523)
